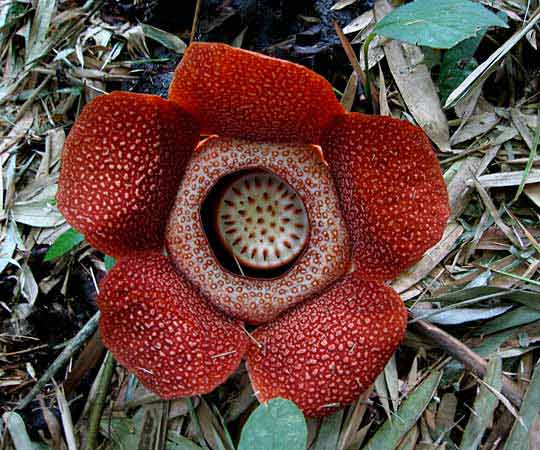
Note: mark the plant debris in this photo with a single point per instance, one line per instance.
(467, 375)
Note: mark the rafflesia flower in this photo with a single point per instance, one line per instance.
(290, 216)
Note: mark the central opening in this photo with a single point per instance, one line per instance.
(256, 224)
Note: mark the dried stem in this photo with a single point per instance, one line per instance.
(465, 355)
(195, 21)
(370, 91)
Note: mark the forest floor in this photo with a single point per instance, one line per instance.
(468, 367)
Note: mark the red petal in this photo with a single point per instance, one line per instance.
(243, 94)
(323, 354)
(159, 327)
(121, 166)
(393, 196)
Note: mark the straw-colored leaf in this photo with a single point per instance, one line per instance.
(37, 41)
(340, 4)
(430, 260)
(530, 409)
(415, 85)
(484, 406)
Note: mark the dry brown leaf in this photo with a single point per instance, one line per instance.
(520, 123)
(360, 23)
(534, 434)
(414, 82)
(476, 126)
(354, 420)
(502, 179)
(349, 93)
(430, 260)
(490, 206)
(459, 189)
(533, 192)
(384, 109)
(340, 4)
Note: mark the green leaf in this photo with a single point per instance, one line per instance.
(63, 244)
(481, 293)
(390, 434)
(276, 425)
(456, 316)
(484, 407)
(109, 262)
(123, 431)
(530, 410)
(175, 441)
(328, 436)
(457, 64)
(171, 41)
(17, 430)
(515, 318)
(437, 24)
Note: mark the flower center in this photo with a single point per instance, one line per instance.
(259, 223)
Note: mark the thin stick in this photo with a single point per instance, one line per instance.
(465, 355)
(31, 99)
(195, 21)
(61, 359)
(371, 93)
(99, 402)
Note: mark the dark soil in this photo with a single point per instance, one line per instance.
(300, 31)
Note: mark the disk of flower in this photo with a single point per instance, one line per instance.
(280, 228)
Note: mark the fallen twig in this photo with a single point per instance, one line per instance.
(371, 92)
(195, 21)
(465, 355)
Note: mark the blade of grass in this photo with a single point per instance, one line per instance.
(484, 407)
(390, 434)
(67, 421)
(519, 439)
(490, 64)
(99, 402)
(532, 156)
